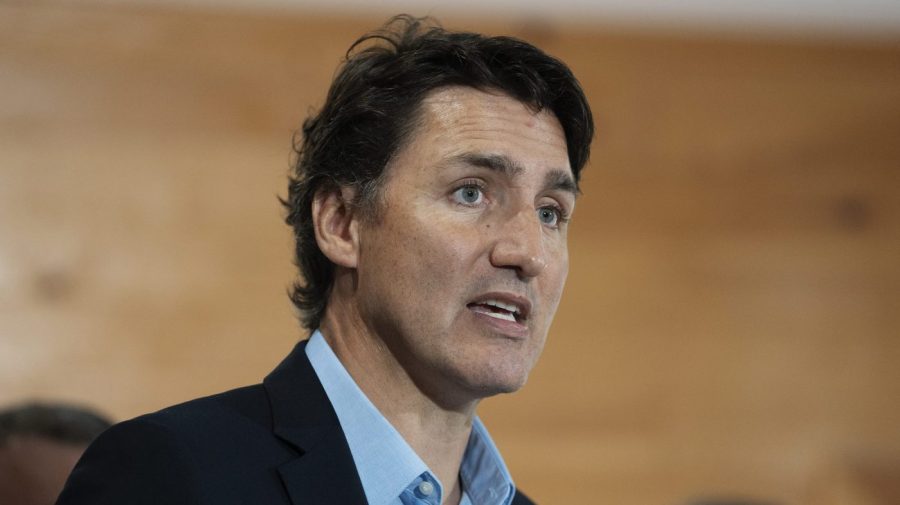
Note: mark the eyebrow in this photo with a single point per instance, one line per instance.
(553, 180)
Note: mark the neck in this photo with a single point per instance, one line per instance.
(438, 433)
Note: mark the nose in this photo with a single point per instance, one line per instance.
(518, 244)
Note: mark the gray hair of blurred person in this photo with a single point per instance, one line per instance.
(61, 423)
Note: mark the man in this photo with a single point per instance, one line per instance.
(39, 445)
(429, 204)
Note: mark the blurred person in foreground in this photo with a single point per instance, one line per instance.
(430, 202)
(39, 445)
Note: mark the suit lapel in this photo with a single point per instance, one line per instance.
(322, 476)
(303, 417)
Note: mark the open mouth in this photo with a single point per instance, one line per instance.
(499, 310)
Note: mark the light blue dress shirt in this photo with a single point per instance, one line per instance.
(390, 471)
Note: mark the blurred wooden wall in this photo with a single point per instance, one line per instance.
(730, 327)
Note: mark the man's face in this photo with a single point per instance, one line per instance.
(463, 268)
(33, 470)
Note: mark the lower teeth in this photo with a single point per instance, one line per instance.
(501, 315)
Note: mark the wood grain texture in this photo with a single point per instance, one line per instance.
(730, 323)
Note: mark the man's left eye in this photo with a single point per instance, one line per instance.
(469, 195)
(549, 216)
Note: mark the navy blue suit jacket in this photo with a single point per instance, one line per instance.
(274, 443)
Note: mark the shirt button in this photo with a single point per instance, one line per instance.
(426, 488)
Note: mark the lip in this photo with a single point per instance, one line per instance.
(522, 303)
(517, 329)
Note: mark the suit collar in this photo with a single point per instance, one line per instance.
(303, 417)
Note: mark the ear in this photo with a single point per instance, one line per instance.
(336, 225)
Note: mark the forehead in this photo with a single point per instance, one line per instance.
(457, 120)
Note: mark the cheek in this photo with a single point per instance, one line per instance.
(441, 253)
(442, 258)
(563, 275)
(420, 258)
(555, 281)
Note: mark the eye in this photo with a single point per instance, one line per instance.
(550, 216)
(470, 194)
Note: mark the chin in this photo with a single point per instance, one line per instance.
(494, 381)
(498, 371)
(503, 388)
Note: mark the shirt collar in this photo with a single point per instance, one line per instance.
(484, 474)
(384, 460)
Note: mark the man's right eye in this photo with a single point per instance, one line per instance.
(469, 194)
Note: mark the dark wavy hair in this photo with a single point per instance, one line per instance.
(373, 107)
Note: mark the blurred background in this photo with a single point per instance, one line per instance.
(730, 328)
